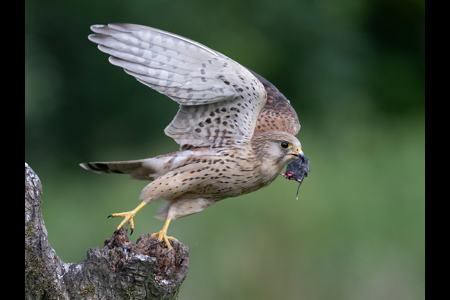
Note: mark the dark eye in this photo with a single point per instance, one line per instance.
(284, 145)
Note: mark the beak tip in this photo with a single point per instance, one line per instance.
(300, 154)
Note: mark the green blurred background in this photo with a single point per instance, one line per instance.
(354, 71)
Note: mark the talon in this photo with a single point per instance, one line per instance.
(162, 235)
(128, 217)
(109, 216)
(131, 226)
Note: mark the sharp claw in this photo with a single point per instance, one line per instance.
(109, 216)
(128, 217)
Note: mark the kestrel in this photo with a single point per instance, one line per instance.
(235, 129)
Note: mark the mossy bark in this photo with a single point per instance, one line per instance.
(120, 270)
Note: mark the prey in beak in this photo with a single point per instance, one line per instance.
(298, 169)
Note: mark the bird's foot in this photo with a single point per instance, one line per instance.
(162, 235)
(128, 217)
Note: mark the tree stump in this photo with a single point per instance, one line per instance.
(120, 270)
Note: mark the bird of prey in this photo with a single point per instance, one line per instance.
(235, 129)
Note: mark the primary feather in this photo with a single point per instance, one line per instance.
(220, 100)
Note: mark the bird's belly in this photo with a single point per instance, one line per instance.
(225, 187)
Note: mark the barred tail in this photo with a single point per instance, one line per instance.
(139, 169)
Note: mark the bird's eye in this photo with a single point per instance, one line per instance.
(285, 145)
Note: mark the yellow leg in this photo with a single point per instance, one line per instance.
(128, 216)
(162, 235)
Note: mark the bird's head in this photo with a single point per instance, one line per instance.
(277, 148)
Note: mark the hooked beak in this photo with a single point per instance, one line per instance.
(297, 153)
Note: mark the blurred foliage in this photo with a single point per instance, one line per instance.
(353, 70)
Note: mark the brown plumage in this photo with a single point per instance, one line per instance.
(235, 129)
(278, 113)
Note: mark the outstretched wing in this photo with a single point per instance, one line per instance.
(278, 113)
(219, 99)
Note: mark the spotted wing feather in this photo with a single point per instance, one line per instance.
(219, 99)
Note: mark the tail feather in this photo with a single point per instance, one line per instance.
(118, 167)
(142, 169)
(136, 168)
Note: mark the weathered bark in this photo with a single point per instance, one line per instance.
(120, 270)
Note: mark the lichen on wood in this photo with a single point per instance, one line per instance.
(120, 270)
